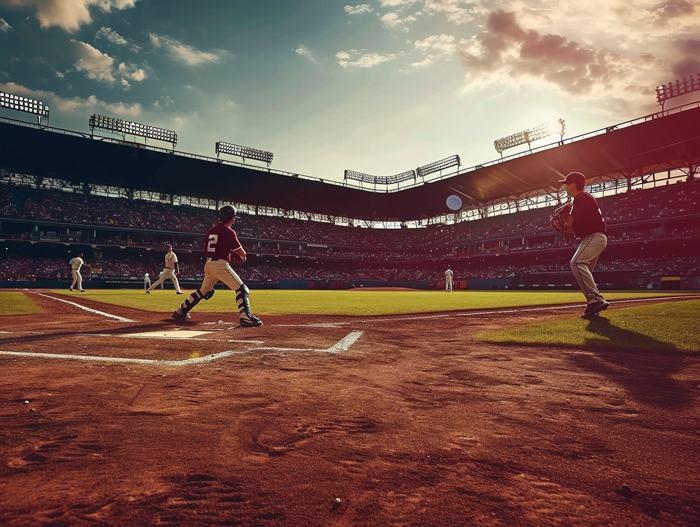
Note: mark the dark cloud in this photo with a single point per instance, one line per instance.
(686, 68)
(668, 11)
(506, 46)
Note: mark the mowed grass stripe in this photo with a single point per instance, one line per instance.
(666, 326)
(344, 303)
(17, 303)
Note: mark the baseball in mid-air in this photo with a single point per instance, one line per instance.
(454, 202)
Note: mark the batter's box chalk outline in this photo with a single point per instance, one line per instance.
(342, 345)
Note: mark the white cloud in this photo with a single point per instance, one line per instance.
(59, 75)
(167, 101)
(305, 52)
(125, 84)
(354, 58)
(93, 62)
(441, 44)
(67, 14)
(396, 3)
(188, 55)
(132, 72)
(74, 105)
(4, 26)
(111, 35)
(358, 9)
(393, 20)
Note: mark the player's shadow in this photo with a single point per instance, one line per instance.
(646, 373)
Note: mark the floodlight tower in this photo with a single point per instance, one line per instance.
(25, 104)
(528, 136)
(222, 147)
(120, 126)
(665, 92)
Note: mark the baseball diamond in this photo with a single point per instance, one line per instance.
(190, 340)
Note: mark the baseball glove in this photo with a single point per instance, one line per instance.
(236, 259)
(558, 220)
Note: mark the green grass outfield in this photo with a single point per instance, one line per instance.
(17, 303)
(666, 326)
(345, 303)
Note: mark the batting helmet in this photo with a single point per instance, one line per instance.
(226, 213)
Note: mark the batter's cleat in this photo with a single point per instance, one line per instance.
(179, 293)
(251, 322)
(594, 309)
(82, 290)
(71, 290)
(181, 316)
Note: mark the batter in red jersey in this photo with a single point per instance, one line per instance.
(220, 245)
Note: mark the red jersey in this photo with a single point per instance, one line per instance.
(587, 216)
(219, 241)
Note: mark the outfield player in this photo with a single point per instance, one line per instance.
(75, 265)
(449, 280)
(147, 281)
(171, 270)
(220, 245)
(586, 220)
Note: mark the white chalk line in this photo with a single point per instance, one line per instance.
(164, 337)
(123, 360)
(342, 345)
(521, 310)
(89, 310)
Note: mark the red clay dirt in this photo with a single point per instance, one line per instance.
(412, 424)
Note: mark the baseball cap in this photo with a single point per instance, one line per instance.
(575, 177)
(226, 213)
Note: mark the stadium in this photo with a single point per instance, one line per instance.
(369, 396)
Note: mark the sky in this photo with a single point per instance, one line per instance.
(379, 87)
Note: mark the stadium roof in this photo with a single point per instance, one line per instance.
(650, 144)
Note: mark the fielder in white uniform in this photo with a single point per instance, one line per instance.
(75, 265)
(147, 281)
(171, 270)
(449, 280)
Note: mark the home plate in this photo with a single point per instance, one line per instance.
(177, 334)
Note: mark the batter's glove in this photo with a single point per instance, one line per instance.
(558, 220)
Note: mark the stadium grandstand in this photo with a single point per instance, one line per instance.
(120, 203)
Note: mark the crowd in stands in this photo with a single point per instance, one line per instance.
(17, 268)
(79, 209)
(408, 254)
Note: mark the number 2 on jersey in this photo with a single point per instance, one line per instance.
(213, 238)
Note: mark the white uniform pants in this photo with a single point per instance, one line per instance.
(220, 270)
(167, 273)
(583, 263)
(448, 284)
(77, 277)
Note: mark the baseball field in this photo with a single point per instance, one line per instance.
(349, 408)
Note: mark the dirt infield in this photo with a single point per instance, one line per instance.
(405, 419)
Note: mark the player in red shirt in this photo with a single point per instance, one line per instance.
(220, 244)
(586, 220)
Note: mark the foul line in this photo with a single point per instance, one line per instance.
(89, 310)
(527, 309)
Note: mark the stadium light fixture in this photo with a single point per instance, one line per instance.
(438, 166)
(665, 92)
(380, 180)
(243, 151)
(24, 104)
(112, 124)
(528, 136)
(359, 176)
